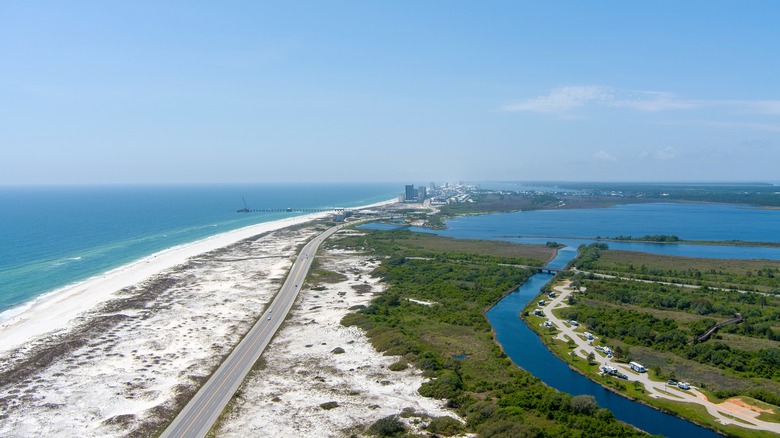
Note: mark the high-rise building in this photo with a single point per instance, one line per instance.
(422, 193)
(410, 193)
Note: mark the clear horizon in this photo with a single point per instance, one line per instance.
(400, 183)
(192, 92)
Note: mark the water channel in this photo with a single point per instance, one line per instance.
(703, 222)
(526, 350)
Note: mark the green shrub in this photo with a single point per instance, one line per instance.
(387, 426)
(447, 385)
(479, 412)
(584, 404)
(399, 366)
(446, 426)
(508, 429)
(355, 319)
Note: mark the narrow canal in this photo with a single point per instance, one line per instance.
(526, 350)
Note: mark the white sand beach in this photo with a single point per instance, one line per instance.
(55, 310)
(127, 364)
(129, 348)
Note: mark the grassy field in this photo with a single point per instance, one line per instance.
(430, 245)
(762, 275)
(622, 259)
(317, 275)
(438, 244)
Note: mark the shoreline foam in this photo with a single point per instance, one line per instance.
(54, 310)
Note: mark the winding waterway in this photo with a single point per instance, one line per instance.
(699, 222)
(525, 349)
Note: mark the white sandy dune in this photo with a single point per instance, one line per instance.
(125, 350)
(120, 367)
(302, 372)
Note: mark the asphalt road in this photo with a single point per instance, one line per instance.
(197, 417)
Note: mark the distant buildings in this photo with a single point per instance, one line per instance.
(341, 215)
(437, 194)
(415, 195)
(411, 193)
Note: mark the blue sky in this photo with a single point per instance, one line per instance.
(180, 92)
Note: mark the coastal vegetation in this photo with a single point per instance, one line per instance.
(488, 202)
(677, 240)
(753, 275)
(758, 194)
(571, 195)
(637, 304)
(433, 314)
(646, 238)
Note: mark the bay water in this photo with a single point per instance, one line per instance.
(572, 227)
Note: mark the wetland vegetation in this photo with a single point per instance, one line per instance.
(653, 309)
(433, 314)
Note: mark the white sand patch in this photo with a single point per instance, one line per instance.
(424, 303)
(301, 371)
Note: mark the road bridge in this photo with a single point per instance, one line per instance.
(548, 270)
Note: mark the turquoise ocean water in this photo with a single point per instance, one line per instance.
(51, 237)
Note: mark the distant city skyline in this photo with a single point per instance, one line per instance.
(195, 92)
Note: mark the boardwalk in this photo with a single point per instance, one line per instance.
(717, 327)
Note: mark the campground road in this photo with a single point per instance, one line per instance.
(724, 413)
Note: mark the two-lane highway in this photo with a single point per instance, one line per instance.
(197, 417)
